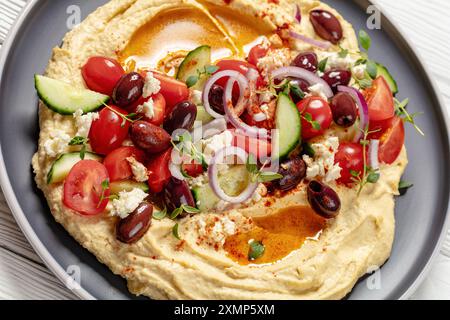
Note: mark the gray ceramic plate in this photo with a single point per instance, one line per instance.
(421, 214)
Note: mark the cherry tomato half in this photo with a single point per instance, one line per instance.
(391, 142)
(117, 164)
(174, 91)
(158, 171)
(101, 74)
(350, 158)
(381, 106)
(256, 53)
(320, 112)
(239, 66)
(83, 188)
(159, 108)
(109, 131)
(192, 169)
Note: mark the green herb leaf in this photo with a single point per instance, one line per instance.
(83, 152)
(373, 177)
(296, 90)
(403, 187)
(211, 69)
(190, 209)
(400, 110)
(307, 116)
(308, 150)
(365, 40)
(256, 250)
(322, 65)
(251, 164)
(105, 187)
(176, 213)
(159, 215)
(266, 176)
(78, 141)
(192, 81)
(355, 173)
(343, 53)
(175, 231)
(372, 69)
(316, 125)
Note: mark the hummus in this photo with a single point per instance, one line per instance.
(315, 259)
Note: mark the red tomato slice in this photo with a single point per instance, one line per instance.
(391, 142)
(109, 131)
(262, 149)
(320, 111)
(192, 169)
(381, 104)
(117, 164)
(350, 158)
(101, 74)
(256, 53)
(83, 188)
(239, 66)
(174, 91)
(158, 171)
(159, 108)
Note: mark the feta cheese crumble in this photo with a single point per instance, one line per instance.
(57, 143)
(335, 61)
(317, 90)
(197, 97)
(127, 202)
(83, 122)
(147, 108)
(152, 85)
(216, 143)
(322, 165)
(139, 170)
(215, 231)
(359, 71)
(273, 60)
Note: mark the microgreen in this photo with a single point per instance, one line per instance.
(105, 187)
(257, 174)
(175, 231)
(403, 187)
(80, 141)
(308, 150)
(400, 110)
(201, 73)
(159, 215)
(322, 65)
(364, 40)
(256, 250)
(184, 145)
(371, 68)
(343, 53)
(132, 117)
(183, 208)
(308, 118)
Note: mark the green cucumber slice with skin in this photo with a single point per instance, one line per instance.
(127, 185)
(197, 59)
(384, 72)
(203, 116)
(289, 127)
(64, 99)
(233, 182)
(62, 166)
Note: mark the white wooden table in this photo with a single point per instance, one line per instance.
(24, 276)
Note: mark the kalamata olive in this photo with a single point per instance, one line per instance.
(336, 78)
(293, 172)
(344, 109)
(132, 228)
(176, 194)
(324, 200)
(216, 98)
(326, 25)
(182, 116)
(307, 60)
(128, 90)
(149, 137)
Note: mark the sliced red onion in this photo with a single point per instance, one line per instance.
(306, 75)
(213, 174)
(175, 171)
(176, 160)
(247, 130)
(208, 130)
(298, 14)
(317, 43)
(212, 80)
(373, 154)
(260, 117)
(363, 109)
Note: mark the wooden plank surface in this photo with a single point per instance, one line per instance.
(24, 276)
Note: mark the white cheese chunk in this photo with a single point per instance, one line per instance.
(152, 85)
(216, 230)
(83, 122)
(147, 108)
(317, 90)
(322, 165)
(335, 61)
(197, 97)
(127, 202)
(57, 143)
(216, 143)
(139, 170)
(273, 60)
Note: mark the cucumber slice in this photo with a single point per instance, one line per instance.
(289, 127)
(203, 116)
(65, 99)
(233, 182)
(384, 72)
(62, 166)
(197, 59)
(127, 185)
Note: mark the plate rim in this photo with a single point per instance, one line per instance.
(82, 293)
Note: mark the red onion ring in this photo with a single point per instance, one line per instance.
(229, 110)
(317, 43)
(306, 75)
(363, 109)
(213, 174)
(298, 14)
(212, 80)
(373, 154)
